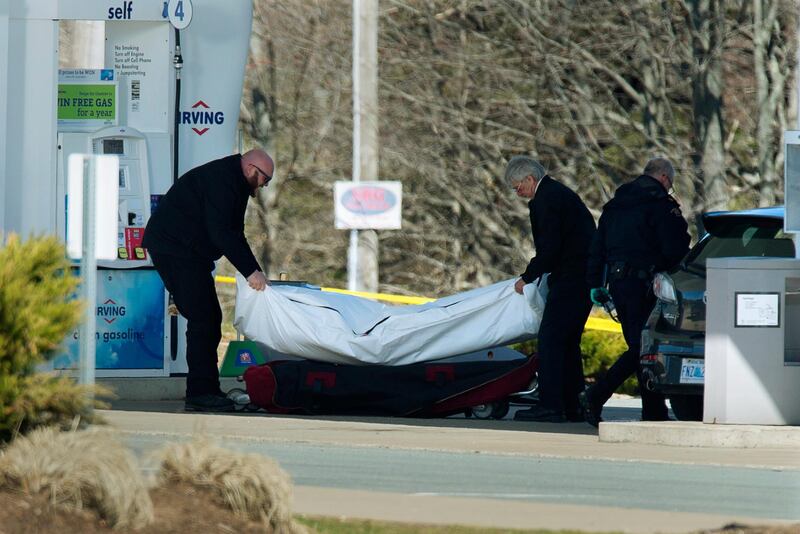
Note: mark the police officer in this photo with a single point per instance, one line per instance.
(200, 219)
(641, 231)
(562, 234)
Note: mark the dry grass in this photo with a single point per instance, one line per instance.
(91, 470)
(253, 486)
(86, 469)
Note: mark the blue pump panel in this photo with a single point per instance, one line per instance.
(130, 323)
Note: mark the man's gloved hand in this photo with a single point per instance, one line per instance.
(599, 296)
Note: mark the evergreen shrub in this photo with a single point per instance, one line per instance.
(599, 350)
(37, 310)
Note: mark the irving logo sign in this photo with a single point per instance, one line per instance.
(110, 311)
(201, 117)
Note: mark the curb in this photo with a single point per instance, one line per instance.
(696, 434)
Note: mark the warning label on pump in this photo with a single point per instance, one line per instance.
(138, 54)
(87, 100)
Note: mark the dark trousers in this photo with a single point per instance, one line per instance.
(634, 302)
(559, 347)
(192, 287)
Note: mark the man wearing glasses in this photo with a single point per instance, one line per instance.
(641, 232)
(562, 233)
(199, 220)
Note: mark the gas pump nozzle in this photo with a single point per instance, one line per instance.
(611, 310)
(608, 305)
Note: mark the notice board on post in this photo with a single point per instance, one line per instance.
(87, 99)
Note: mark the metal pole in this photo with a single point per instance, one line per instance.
(352, 252)
(795, 236)
(88, 344)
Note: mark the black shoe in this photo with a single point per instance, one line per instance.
(656, 417)
(540, 414)
(591, 412)
(575, 417)
(209, 403)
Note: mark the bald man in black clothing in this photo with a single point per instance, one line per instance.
(641, 232)
(562, 234)
(199, 220)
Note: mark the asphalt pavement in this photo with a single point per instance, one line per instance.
(493, 473)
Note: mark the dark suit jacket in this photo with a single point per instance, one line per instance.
(202, 216)
(562, 233)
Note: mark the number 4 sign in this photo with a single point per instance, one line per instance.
(179, 13)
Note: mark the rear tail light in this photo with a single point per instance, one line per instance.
(664, 288)
(649, 358)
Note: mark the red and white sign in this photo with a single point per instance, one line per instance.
(368, 205)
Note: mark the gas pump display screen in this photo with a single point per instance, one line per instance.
(113, 146)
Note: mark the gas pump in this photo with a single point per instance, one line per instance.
(130, 306)
(134, 107)
(129, 145)
(134, 209)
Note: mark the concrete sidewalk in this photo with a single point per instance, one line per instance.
(621, 415)
(566, 440)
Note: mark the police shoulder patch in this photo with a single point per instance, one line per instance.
(676, 212)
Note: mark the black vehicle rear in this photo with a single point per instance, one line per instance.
(673, 341)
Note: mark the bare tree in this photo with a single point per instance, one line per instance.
(592, 89)
(771, 75)
(296, 103)
(707, 25)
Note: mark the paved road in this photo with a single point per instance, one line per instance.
(493, 473)
(723, 490)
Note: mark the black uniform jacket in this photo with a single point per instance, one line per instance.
(641, 226)
(202, 216)
(562, 233)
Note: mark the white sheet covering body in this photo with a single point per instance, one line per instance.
(338, 328)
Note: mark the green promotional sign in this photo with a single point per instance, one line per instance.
(87, 102)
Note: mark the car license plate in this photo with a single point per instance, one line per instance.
(693, 371)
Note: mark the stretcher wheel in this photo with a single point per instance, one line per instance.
(500, 410)
(481, 411)
(240, 398)
(490, 410)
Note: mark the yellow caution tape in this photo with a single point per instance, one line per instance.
(400, 299)
(593, 323)
(606, 325)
